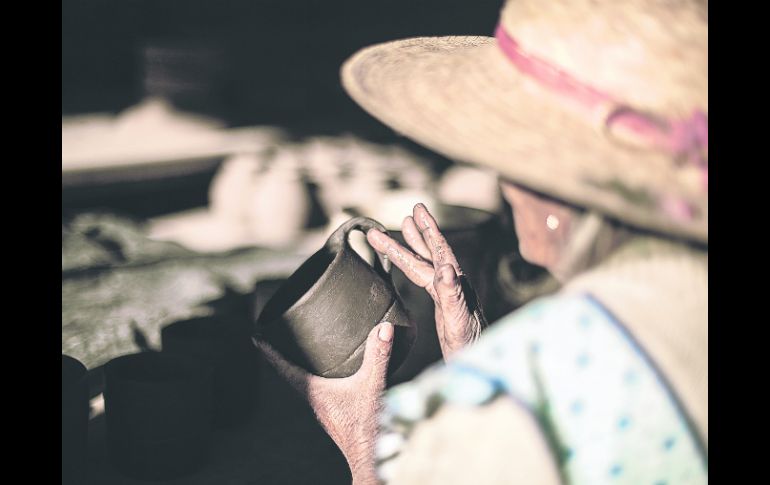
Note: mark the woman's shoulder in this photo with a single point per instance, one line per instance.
(657, 292)
(556, 309)
(647, 268)
(592, 390)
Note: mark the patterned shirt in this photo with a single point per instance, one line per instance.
(607, 412)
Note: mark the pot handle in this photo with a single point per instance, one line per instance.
(363, 224)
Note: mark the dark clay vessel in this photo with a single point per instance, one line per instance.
(158, 410)
(227, 348)
(320, 317)
(74, 420)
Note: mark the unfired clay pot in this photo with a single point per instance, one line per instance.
(220, 343)
(158, 410)
(74, 420)
(321, 316)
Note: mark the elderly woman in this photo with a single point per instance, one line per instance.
(594, 114)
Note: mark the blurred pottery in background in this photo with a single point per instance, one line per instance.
(278, 204)
(224, 344)
(321, 316)
(199, 230)
(263, 196)
(74, 421)
(350, 171)
(148, 141)
(149, 155)
(230, 188)
(158, 410)
(276, 195)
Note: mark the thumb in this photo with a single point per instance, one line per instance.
(379, 345)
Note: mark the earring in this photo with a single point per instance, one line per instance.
(552, 222)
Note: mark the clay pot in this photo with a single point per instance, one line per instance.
(74, 420)
(227, 348)
(278, 199)
(158, 411)
(320, 317)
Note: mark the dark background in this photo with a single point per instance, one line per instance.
(244, 62)
(278, 60)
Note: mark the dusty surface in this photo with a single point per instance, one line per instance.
(280, 444)
(119, 289)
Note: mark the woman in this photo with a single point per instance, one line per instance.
(594, 114)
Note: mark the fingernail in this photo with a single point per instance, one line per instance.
(386, 332)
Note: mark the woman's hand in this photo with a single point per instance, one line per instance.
(347, 408)
(433, 266)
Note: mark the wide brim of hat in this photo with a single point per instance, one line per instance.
(462, 98)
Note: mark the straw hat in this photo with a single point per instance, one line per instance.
(600, 103)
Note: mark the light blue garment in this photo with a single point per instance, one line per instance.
(607, 412)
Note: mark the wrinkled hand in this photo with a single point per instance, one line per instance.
(346, 408)
(433, 266)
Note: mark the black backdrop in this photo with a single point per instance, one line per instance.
(281, 57)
